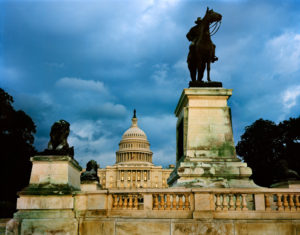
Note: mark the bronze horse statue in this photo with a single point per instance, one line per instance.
(202, 49)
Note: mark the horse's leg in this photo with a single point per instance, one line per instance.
(208, 71)
(193, 71)
(201, 68)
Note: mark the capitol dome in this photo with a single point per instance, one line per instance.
(134, 146)
(134, 132)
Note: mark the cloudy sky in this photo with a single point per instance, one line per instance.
(92, 62)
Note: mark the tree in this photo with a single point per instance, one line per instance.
(290, 134)
(271, 150)
(16, 148)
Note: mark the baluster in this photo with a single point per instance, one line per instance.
(238, 202)
(285, 202)
(115, 201)
(174, 202)
(231, 202)
(186, 202)
(125, 202)
(244, 202)
(180, 202)
(279, 203)
(155, 202)
(218, 203)
(297, 202)
(136, 203)
(130, 204)
(225, 203)
(267, 202)
(168, 203)
(162, 202)
(120, 201)
(291, 202)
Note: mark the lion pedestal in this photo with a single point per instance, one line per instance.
(55, 171)
(46, 205)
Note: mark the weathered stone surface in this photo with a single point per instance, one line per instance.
(204, 202)
(45, 202)
(97, 227)
(90, 186)
(44, 214)
(265, 228)
(205, 148)
(12, 227)
(47, 226)
(54, 170)
(215, 228)
(144, 227)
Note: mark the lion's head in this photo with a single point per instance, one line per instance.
(58, 136)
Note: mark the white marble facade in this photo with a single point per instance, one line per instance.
(134, 168)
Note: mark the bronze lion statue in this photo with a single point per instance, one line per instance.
(91, 172)
(58, 144)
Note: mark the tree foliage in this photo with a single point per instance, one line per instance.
(16, 148)
(272, 151)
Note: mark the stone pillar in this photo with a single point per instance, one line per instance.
(205, 153)
(54, 172)
(47, 204)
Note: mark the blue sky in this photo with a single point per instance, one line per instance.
(92, 62)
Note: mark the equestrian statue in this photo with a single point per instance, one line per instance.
(202, 49)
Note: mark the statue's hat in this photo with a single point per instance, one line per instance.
(198, 20)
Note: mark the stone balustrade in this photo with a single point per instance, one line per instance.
(126, 201)
(282, 201)
(188, 203)
(231, 201)
(171, 201)
(156, 210)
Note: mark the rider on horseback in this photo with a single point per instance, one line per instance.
(194, 34)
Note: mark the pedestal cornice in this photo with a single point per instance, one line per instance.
(196, 92)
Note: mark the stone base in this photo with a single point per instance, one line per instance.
(205, 84)
(205, 148)
(90, 186)
(287, 184)
(212, 174)
(43, 222)
(222, 225)
(53, 175)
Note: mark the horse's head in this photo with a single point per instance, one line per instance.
(212, 16)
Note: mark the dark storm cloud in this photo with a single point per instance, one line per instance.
(92, 62)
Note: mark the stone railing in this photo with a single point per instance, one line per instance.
(171, 201)
(89, 212)
(231, 201)
(259, 199)
(127, 201)
(282, 201)
(190, 203)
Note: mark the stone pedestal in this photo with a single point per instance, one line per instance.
(46, 205)
(291, 184)
(205, 155)
(90, 186)
(54, 173)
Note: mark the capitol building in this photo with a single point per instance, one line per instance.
(134, 167)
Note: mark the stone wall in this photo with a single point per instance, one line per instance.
(161, 211)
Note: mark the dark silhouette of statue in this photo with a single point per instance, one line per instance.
(91, 173)
(58, 144)
(284, 173)
(202, 49)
